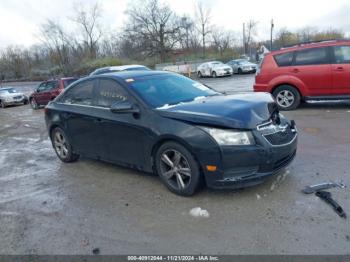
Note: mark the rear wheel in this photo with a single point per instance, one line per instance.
(33, 104)
(2, 104)
(199, 74)
(178, 169)
(240, 71)
(213, 74)
(62, 146)
(287, 97)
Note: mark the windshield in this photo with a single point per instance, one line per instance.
(139, 68)
(217, 63)
(8, 90)
(158, 91)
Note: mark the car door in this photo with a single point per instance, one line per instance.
(312, 67)
(38, 95)
(341, 70)
(122, 133)
(79, 116)
(46, 95)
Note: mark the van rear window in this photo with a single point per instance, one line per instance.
(284, 59)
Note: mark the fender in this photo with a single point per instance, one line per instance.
(288, 80)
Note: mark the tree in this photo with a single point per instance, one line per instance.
(222, 40)
(88, 21)
(249, 33)
(154, 26)
(203, 20)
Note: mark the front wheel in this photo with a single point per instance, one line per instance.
(240, 71)
(199, 74)
(62, 147)
(287, 97)
(214, 74)
(178, 169)
(2, 104)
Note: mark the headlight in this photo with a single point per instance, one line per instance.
(8, 99)
(230, 138)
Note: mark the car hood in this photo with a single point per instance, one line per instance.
(241, 111)
(223, 67)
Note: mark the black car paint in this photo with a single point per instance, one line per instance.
(131, 139)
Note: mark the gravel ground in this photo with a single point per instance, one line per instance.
(47, 207)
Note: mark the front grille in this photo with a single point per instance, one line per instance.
(17, 97)
(281, 137)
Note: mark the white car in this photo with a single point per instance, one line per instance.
(110, 69)
(214, 69)
(9, 96)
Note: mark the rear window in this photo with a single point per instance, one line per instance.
(312, 56)
(284, 59)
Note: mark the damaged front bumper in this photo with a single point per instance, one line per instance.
(245, 166)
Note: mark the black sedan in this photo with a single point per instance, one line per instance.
(168, 124)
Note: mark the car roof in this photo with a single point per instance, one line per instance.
(134, 74)
(123, 67)
(310, 45)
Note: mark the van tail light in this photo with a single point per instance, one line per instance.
(46, 110)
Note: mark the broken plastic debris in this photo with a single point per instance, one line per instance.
(258, 196)
(96, 251)
(198, 212)
(327, 197)
(322, 186)
(26, 125)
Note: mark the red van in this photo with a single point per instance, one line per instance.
(312, 71)
(48, 90)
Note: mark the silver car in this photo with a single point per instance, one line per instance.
(9, 96)
(214, 69)
(240, 66)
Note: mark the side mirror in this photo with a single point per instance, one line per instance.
(124, 107)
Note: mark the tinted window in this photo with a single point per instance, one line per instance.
(312, 56)
(342, 54)
(285, 59)
(42, 87)
(80, 94)
(109, 92)
(161, 90)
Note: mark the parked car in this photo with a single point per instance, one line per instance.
(240, 66)
(48, 90)
(214, 69)
(9, 96)
(111, 69)
(313, 71)
(161, 122)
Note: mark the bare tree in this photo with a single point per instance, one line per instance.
(186, 26)
(222, 40)
(88, 21)
(203, 18)
(155, 25)
(250, 32)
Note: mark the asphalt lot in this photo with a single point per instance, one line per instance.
(47, 207)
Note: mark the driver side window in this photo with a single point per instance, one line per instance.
(109, 92)
(80, 94)
(41, 87)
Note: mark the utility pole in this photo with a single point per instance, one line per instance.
(244, 46)
(272, 26)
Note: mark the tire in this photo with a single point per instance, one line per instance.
(287, 97)
(213, 74)
(199, 74)
(2, 104)
(240, 71)
(25, 102)
(33, 104)
(172, 157)
(62, 146)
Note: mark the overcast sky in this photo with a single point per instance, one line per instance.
(20, 19)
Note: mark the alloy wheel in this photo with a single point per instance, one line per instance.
(33, 103)
(175, 169)
(285, 98)
(60, 145)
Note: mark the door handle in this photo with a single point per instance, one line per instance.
(98, 120)
(295, 70)
(340, 68)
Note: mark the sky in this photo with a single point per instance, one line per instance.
(20, 20)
